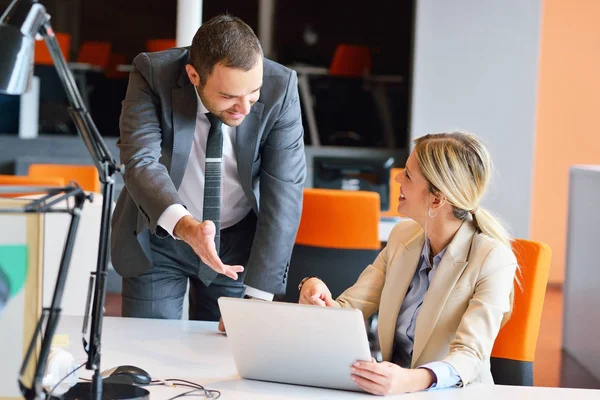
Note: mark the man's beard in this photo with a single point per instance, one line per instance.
(222, 115)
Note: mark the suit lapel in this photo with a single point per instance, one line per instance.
(446, 275)
(246, 147)
(185, 108)
(400, 273)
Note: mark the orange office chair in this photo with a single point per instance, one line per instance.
(337, 238)
(153, 45)
(85, 175)
(17, 180)
(394, 194)
(95, 53)
(351, 60)
(514, 350)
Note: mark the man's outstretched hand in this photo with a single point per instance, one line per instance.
(201, 237)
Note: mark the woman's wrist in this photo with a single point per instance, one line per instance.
(304, 281)
(424, 378)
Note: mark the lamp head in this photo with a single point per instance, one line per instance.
(19, 24)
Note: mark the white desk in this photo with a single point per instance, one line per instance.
(124, 67)
(195, 351)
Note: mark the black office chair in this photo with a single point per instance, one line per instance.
(337, 239)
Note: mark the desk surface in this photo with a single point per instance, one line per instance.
(195, 351)
(324, 71)
(84, 67)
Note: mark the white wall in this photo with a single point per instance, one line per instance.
(475, 69)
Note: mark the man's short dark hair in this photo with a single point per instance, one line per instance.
(227, 40)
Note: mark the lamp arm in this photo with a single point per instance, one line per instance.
(107, 168)
(103, 159)
(19, 24)
(51, 315)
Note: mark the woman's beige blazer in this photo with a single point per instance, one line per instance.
(462, 311)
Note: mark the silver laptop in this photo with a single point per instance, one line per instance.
(294, 343)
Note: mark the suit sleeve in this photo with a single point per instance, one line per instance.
(481, 321)
(282, 175)
(146, 179)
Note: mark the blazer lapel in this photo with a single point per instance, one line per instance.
(246, 148)
(446, 275)
(400, 273)
(185, 107)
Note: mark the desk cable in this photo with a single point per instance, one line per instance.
(207, 393)
(65, 377)
(174, 382)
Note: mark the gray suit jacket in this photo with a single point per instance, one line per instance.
(157, 128)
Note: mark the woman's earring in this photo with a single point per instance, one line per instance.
(430, 215)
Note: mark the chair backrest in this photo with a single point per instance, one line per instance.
(19, 180)
(337, 238)
(160, 44)
(514, 348)
(42, 55)
(351, 60)
(85, 175)
(95, 53)
(394, 194)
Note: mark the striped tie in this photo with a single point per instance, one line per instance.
(212, 176)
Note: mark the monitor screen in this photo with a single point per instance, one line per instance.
(347, 173)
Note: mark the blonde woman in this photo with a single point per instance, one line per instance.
(443, 284)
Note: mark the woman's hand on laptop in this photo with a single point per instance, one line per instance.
(387, 378)
(315, 292)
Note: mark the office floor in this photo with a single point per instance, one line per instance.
(553, 367)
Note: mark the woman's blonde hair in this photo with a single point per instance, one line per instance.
(458, 166)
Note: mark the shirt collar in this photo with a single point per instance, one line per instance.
(425, 255)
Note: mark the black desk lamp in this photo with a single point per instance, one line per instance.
(19, 25)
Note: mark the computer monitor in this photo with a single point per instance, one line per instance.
(347, 173)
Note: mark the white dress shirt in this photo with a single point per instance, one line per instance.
(191, 190)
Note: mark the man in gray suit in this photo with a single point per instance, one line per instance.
(160, 240)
